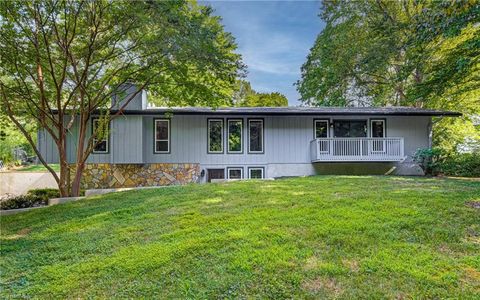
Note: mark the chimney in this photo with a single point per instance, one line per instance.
(124, 93)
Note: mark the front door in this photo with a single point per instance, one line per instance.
(215, 174)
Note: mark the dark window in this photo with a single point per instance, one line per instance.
(255, 173)
(100, 142)
(255, 136)
(321, 129)
(215, 136)
(378, 128)
(235, 136)
(235, 173)
(162, 136)
(350, 128)
(215, 174)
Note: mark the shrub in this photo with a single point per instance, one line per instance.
(465, 165)
(22, 201)
(428, 160)
(433, 162)
(33, 198)
(44, 194)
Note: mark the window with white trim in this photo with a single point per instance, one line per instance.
(215, 135)
(234, 135)
(162, 136)
(255, 136)
(235, 173)
(256, 173)
(377, 130)
(100, 142)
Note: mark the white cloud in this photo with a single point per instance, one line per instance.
(274, 39)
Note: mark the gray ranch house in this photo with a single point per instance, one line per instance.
(163, 146)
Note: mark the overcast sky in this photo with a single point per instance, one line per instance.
(274, 38)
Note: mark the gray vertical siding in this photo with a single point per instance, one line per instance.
(286, 140)
(126, 144)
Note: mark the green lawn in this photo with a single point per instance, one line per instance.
(326, 236)
(38, 168)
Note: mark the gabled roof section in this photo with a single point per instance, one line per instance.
(290, 110)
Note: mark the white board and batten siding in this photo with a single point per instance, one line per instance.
(286, 141)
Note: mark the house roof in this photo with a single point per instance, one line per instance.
(291, 110)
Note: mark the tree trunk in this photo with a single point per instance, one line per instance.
(80, 164)
(63, 182)
(77, 180)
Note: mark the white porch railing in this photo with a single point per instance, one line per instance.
(357, 149)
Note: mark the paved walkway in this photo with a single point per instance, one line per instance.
(18, 183)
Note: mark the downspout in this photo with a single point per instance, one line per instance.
(430, 132)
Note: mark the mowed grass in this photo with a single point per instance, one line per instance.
(38, 168)
(316, 237)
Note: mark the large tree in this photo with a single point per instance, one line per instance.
(62, 61)
(410, 53)
(244, 95)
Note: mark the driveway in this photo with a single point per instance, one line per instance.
(18, 183)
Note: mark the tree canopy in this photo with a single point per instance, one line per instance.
(63, 60)
(244, 95)
(408, 53)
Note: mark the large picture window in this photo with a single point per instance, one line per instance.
(215, 136)
(255, 136)
(350, 128)
(235, 127)
(100, 142)
(162, 136)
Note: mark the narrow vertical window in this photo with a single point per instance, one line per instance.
(235, 128)
(162, 136)
(215, 136)
(100, 142)
(255, 136)
(377, 128)
(321, 129)
(255, 173)
(235, 173)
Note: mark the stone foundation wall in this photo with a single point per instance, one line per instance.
(98, 176)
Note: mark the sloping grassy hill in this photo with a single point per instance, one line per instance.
(335, 237)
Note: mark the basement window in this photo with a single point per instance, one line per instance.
(235, 173)
(256, 173)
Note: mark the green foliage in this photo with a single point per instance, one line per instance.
(44, 194)
(63, 61)
(408, 53)
(38, 168)
(427, 159)
(11, 138)
(33, 198)
(434, 161)
(316, 237)
(463, 164)
(22, 201)
(245, 96)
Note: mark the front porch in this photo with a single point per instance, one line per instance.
(356, 149)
